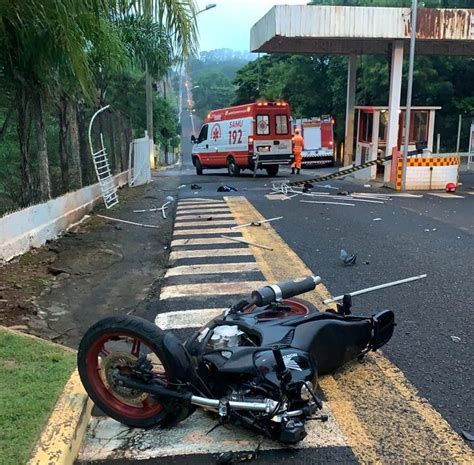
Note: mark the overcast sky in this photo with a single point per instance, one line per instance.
(228, 24)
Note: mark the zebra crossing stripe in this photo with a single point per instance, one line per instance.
(200, 241)
(177, 254)
(200, 289)
(204, 268)
(187, 318)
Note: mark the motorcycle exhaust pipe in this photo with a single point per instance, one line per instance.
(284, 290)
(267, 406)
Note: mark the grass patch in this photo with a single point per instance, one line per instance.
(32, 375)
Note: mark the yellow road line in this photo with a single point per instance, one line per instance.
(199, 289)
(378, 410)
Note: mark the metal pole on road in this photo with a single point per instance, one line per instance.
(414, 9)
(458, 142)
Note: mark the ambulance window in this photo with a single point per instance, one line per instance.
(281, 124)
(202, 134)
(263, 124)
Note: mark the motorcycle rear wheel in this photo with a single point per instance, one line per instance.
(298, 307)
(115, 344)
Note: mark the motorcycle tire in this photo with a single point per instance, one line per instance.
(151, 412)
(299, 307)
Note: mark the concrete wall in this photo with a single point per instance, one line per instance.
(33, 226)
(429, 173)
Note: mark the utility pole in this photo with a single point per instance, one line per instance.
(414, 10)
(149, 103)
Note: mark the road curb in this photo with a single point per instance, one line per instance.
(62, 436)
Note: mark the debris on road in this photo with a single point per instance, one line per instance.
(376, 288)
(347, 258)
(127, 222)
(256, 223)
(467, 436)
(325, 202)
(195, 187)
(227, 188)
(377, 219)
(243, 241)
(455, 339)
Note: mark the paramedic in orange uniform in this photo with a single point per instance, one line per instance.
(298, 144)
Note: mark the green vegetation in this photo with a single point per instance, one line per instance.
(32, 376)
(61, 60)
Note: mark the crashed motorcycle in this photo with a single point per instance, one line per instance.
(256, 365)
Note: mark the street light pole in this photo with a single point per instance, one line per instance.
(414, 10)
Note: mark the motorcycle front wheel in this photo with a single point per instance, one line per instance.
(120, 345)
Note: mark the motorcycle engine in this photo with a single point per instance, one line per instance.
(225, 336)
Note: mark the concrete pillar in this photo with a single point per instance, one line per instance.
(350, 103)
(375, 143)
(394, 101)
(431, 127)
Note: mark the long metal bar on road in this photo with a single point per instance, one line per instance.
(376, 288)
(257, 223)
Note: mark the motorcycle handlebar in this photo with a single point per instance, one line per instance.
(284, 290)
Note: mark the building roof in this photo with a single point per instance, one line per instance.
(344, 30)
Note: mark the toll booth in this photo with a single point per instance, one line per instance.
(372, 128)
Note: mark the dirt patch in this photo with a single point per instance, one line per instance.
(99, 268)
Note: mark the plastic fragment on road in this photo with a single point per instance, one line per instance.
(128, 222)
(467, 436)
(455, 339)
(347, 258)
(227, 188)
(377, 219)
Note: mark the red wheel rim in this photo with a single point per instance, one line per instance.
(297, 308)
(149, 407)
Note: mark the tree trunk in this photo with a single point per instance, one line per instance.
(43, 163)
(23, 128)
(86, 158)
(63, 127)
(6, 123)
(75, 174)
(115, 167)
(123, 143)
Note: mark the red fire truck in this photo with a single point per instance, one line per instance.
(257, 135)
(318, 140)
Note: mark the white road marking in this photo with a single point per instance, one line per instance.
(206, 206)
(405, 194)
(202, 289)
(177, 254)
(205, 216)
(187, 318)
(192, 202)
(108, 439)
(203, 223)
(199, 232)
(202, 211)
(212, 269)
(328, 203)
(445, 195)
(200, 241)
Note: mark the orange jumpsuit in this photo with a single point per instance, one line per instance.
(298, 144)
